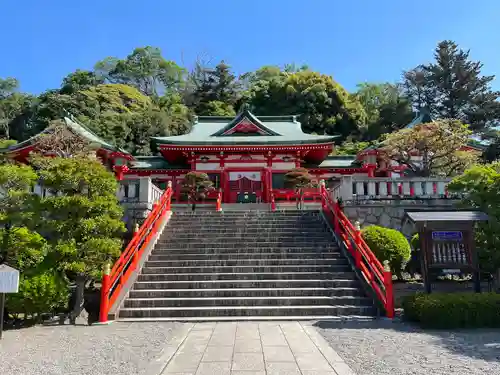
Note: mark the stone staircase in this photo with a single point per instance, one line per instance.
(246, 265)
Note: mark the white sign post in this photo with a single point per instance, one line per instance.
(9, 283)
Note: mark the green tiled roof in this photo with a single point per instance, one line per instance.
(75, 128)
(341, 161)
(153, 162)
(210, 130)
(422, 117)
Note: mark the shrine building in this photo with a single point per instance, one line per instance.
(247, 154)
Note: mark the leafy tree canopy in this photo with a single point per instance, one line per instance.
(438, 143)
(386, 108)
(453, 87)
(145, 69)
(323, 105)
(480, 188)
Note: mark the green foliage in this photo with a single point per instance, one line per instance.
(323, 105)
(351, 148)
(25, 250)
(452, 87)
(16, 182)
(82, 220)
(386, 108)
(80, 80)
(480, 186)
(439, 143)
(196, 185)
(388, 244)
(213, 91)
(415, 242)
(12, 104)
(453, 310)
(41, 293)
(145, 69)
(298, 178)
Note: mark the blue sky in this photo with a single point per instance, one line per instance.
(355, 41)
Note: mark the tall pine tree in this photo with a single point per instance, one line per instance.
(453, 87)
(214, 91)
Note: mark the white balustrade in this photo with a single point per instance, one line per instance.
(391, 188)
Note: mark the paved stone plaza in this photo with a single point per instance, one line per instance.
(247, 348)
(290, 348)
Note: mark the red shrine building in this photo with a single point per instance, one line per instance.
(244, 155)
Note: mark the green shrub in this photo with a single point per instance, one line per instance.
(388, 244)
(42, 293)
(453, 310)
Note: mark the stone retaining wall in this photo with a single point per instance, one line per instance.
(390, 213)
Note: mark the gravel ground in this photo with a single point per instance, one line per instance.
(382, 347)
(119, 348)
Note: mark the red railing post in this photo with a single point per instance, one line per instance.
(389, 293)
(105, 285)
(218, 205)
(357, 240)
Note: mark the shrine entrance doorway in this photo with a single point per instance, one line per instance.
(245, 187)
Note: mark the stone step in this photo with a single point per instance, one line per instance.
(245, 292)
(182, 255)
(225, 311)
(232, 284)
(243, 225)
(278, 318)
(246, 262)
(188, 232)
(246, 301)
(205, 214)
(208, 249)
(246, 276)
(254, 220)
(247, 239)
(245, 269)
(247, 246)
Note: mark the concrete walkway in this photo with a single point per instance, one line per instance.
(249, 348)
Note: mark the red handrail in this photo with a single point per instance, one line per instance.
(374, 273)
(113, 280)
(218, 204)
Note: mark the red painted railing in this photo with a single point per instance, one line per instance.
(218, 203)
(113, 280)
(312, 194)
(375, 274)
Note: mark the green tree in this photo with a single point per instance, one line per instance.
(350, 147)
(386, 108)
(213, 91)
(40, 293)
(323, 106)
(145, 69)
(12, 104)
(196, 186)
(438, 143)
(81, 217)
(80, 80)
(16, 182)
(480, 189)
(453, 87)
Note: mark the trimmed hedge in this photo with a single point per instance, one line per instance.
(388, 244)
(453, 310)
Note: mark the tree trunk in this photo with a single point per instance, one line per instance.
(79, 299)
(497, 281)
